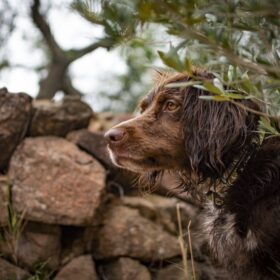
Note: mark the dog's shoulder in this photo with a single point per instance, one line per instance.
(244, 233)
(259, 180)
(254, 198)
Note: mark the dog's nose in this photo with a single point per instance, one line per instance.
(115, 135)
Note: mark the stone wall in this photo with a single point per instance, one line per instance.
(66, 213)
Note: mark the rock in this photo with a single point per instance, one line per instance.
(173, 272)
(15, 112)
(54, 182)
(93, 143)
(31, 244)
(59, 118)
(39, 243)
(126, 233)
(125, 269)
(75, 241)
(163, 210)
(146, 208)
(79, 268)
(203, 271)
(120, 181)
(104, 121)
(101, 122)
(167, 212)
(4, 200)
(9, 271)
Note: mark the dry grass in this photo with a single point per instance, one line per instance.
(186, 246)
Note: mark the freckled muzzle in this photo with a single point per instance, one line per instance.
(124, 147)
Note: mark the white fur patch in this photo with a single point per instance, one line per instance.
(113, 157)
(225, 242)
(251, 241)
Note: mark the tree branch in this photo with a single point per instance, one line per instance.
(69, 89)
(74, 54)
(232, 57)
(44, 28)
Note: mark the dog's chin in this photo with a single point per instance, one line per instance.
(132, 163)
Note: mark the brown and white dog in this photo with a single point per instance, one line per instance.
(206, 142)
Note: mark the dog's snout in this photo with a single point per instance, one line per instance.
(115, 135)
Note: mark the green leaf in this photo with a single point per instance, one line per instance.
(218, 98)
(232, 73)
(247, 86)
(145, 11)
(265, 126)
(14, 221)
(212, 88)
(187, 65)
(182, 84)
(172, 59)
(237, 96)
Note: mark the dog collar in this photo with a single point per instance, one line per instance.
(217, 192)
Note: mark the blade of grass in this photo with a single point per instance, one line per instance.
(191, 250)
(184, 249)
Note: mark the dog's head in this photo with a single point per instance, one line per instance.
(177, 130)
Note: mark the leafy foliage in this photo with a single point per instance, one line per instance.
(116, 17)
(122, 28)
(239, 41)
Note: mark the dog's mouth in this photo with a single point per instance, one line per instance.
(132, 162)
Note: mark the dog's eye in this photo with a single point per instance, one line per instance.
(171, 106)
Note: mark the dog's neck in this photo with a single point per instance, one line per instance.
(217, 192)
(216, 189)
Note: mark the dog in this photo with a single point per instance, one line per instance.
(216, 151)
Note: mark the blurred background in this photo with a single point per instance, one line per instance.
(105, 51)
(51, 41)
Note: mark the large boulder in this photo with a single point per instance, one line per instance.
(4, 200)
(59, 118)
(126, 233)
(120, 181)
(9, 271)
(15, 112)
(125, 269)
(79, 268)
(54, 182)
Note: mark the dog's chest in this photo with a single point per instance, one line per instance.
(225, 243)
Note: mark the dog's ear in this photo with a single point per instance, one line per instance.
(215, 133)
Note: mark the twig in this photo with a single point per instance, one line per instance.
(184, 249)
(188, 31)
(276, 118)
(191, 251)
